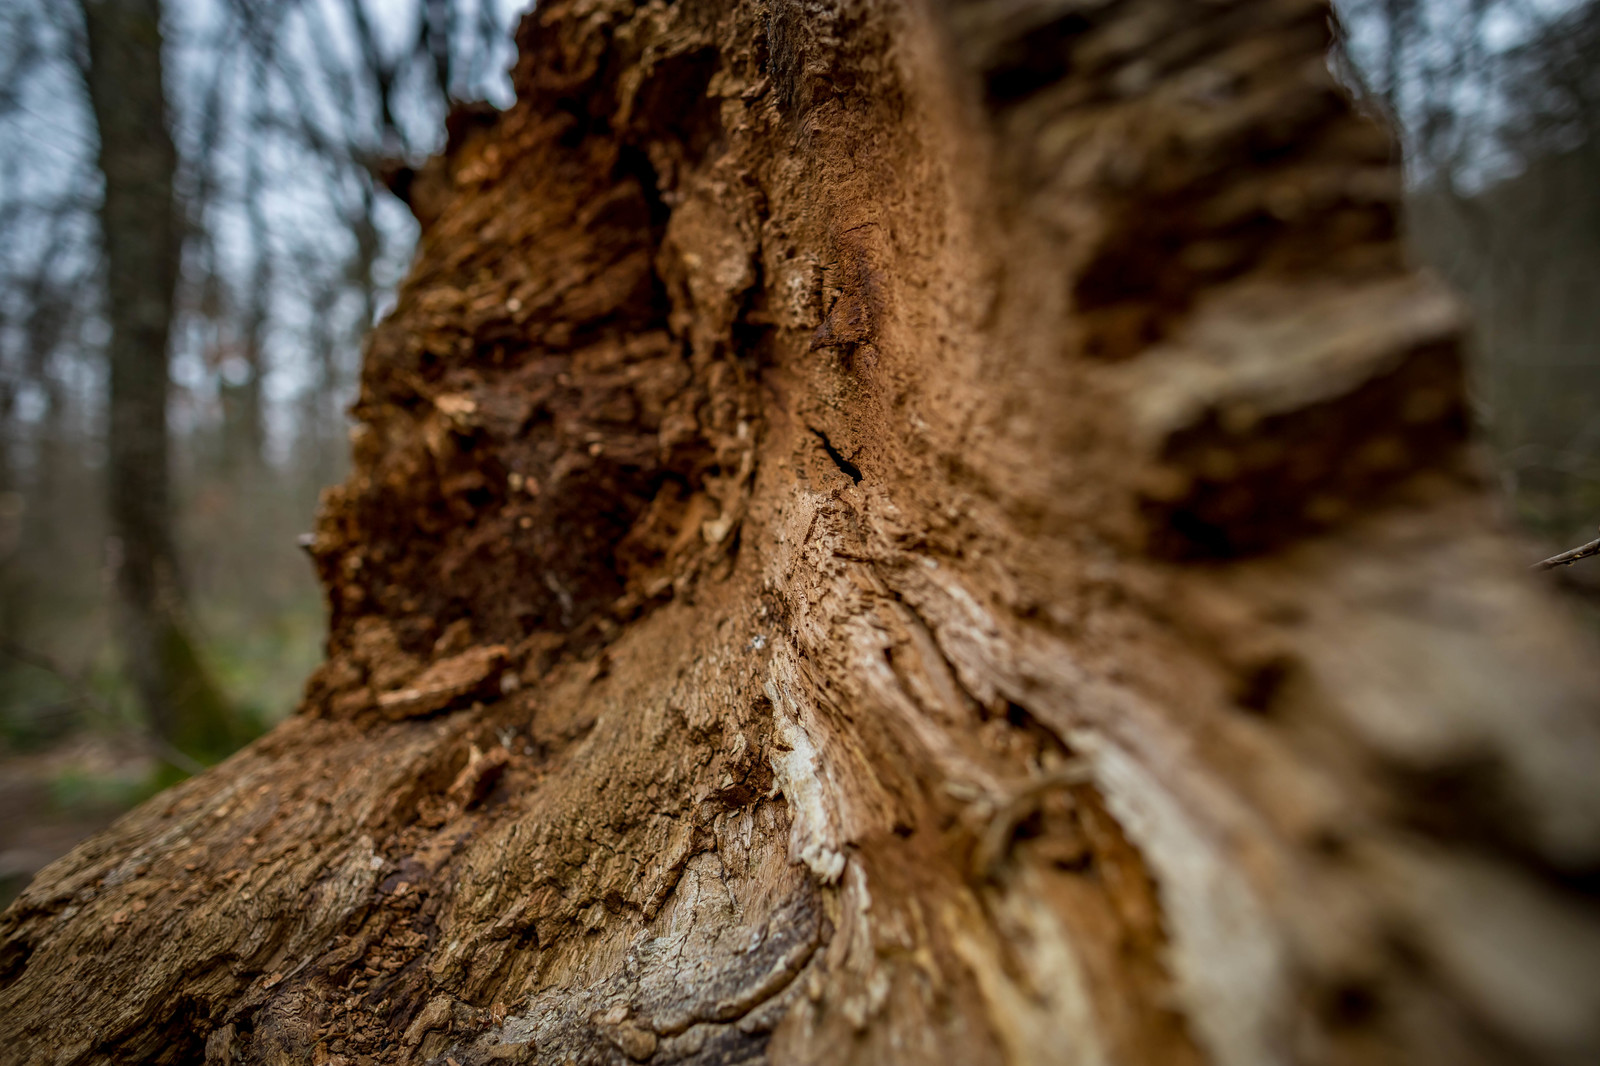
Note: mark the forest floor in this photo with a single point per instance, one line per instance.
(53, 798)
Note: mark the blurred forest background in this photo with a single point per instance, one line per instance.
(182, 303)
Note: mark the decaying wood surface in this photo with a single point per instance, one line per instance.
(887, 532)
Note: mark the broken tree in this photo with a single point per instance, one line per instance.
(897, 533)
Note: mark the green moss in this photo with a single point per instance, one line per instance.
(203, 723)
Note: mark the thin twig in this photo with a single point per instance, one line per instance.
(1569, 557)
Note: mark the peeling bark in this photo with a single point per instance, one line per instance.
(888, 533)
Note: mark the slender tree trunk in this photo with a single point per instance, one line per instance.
(244, 402)
(888, 533)
(141, 234)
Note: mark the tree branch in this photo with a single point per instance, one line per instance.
(1567, 558)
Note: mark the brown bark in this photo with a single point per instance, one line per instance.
(890, 534)
(140, 231)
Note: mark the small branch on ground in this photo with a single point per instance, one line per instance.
(1567, 558)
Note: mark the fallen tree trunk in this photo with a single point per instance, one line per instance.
(887, 533)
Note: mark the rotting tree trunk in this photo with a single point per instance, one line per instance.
(139, 228)
(888, 533)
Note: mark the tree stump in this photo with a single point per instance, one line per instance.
(888, 532)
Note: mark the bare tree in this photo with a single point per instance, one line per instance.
(1495, 103)
(289, 246)
(139, 225)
